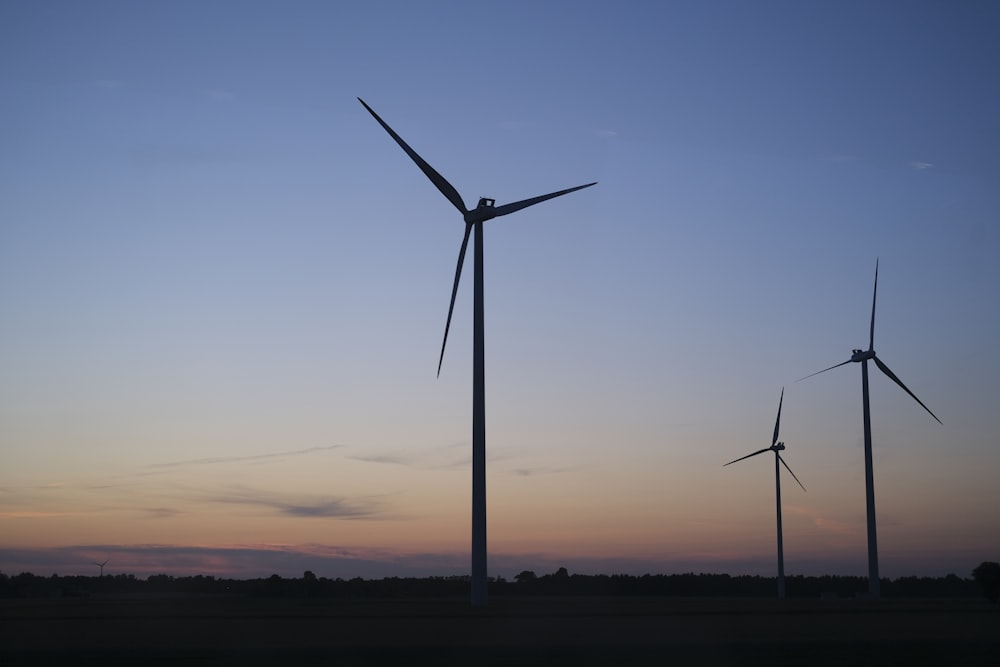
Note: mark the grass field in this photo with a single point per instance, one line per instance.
(511, 631)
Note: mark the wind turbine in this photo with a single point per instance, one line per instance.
(101, 565)
(863, 356)
(474, 219)
(776, 447)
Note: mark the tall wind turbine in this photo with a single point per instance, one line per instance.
(474, 219)
(863, 356)
(776, 447)
(101, 565)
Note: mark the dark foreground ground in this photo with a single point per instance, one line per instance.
(511, 631)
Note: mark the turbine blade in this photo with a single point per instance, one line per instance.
(871, 335)
(790, 471)
(892, 376)
(454, 292)
(824, 370)
(525, 203)
(778, 420)
(446, 188)
(747, 456)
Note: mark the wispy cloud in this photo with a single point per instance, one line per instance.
(920, 165)
(541, 470)
(214, 460)
(383, 458)
(824, 523)
(444, 457)
(605, 133)
(328, 508)
(457, 456)
(298, 506)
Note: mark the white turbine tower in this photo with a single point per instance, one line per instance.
(776, 447)
(474, 220)
(862, 357)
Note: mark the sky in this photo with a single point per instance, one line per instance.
(223, 286)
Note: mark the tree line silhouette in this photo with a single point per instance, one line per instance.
(985, 581)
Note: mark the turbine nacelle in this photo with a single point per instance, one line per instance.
(484, 211)
(778, 446)
(862, 355)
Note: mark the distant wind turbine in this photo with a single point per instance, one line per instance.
(863, 356)
(101, 565)
(474, 219)
(776, 447)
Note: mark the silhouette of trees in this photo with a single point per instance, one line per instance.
(7, 588)
(987, 575)
(526, 583)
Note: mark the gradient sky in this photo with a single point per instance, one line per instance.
(223, 287)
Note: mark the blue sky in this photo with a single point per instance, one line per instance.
(223, 286)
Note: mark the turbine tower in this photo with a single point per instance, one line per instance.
(863, 356)
(474, 219)
(776, 447)
(101, 565)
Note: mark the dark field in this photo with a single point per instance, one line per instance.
(511, 631)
